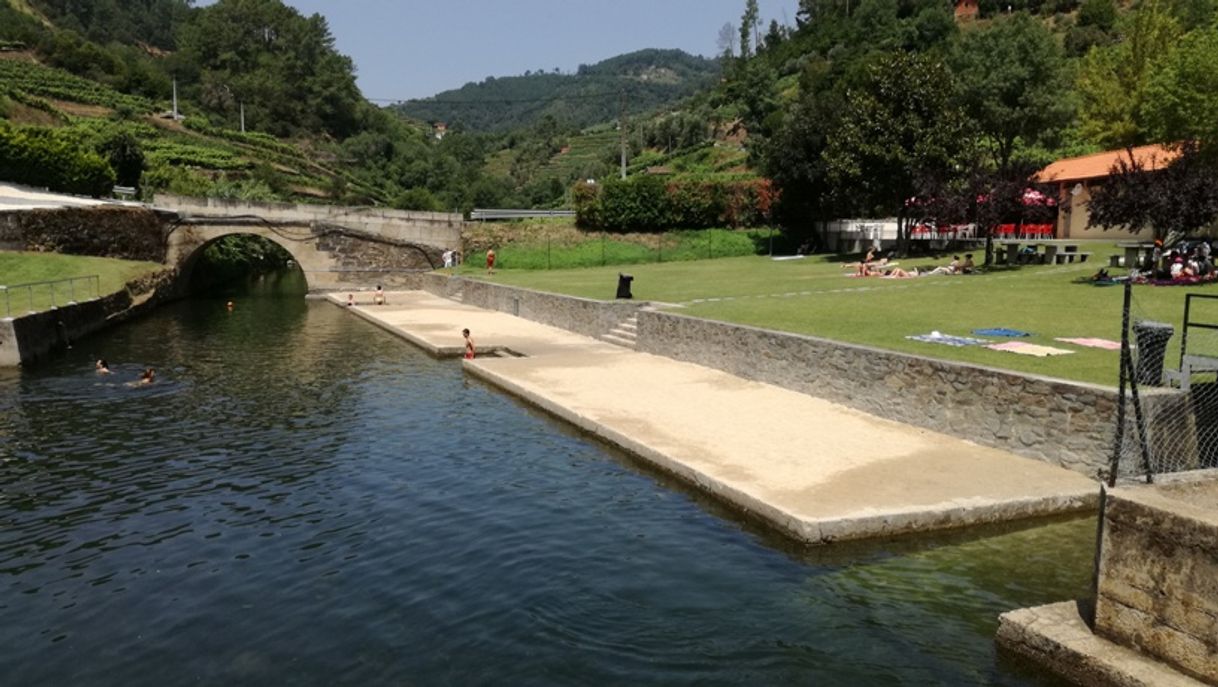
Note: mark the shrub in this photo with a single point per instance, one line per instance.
(647, 203)
(41, 157)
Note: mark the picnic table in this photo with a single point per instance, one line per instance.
(1054, 254)
(1136, 252)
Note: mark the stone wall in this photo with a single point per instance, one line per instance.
(115, 232)
(580, 315)
(1158, 582)
(25, 340)
(1065, 423)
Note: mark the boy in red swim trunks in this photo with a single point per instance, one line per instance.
(469, 345)
(490, 261)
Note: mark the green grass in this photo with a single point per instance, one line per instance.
(562, 251)
(23, 268)
(814, 297)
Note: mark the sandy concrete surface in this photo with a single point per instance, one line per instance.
(13, 197)
(820, 472)
(1056, 638)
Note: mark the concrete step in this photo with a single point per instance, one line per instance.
(619, 341)
(627, 326)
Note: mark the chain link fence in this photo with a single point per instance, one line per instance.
(1167, 417)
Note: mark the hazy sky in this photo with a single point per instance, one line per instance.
(416, 48)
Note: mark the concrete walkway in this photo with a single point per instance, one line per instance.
(818, 471)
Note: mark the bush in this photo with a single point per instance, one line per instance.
(41, 157)
(648, 203)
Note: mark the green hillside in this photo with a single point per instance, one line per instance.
(643, 80)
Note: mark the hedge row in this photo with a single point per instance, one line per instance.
(651, 203)
(38, 156)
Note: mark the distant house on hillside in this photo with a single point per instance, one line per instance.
(966, 10)
(1077, 177)
(439, 130)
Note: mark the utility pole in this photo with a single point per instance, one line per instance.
(242, 117)
(175, 100)
(621, 126)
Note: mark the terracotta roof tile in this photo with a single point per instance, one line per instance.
(1097, 165)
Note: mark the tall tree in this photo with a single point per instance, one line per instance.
(748, 26)
(1112, 80)
(898, 132)
(1013, 84)
(1181, 101)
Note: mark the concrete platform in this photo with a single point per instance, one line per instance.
(1056, 638)
(818, 471)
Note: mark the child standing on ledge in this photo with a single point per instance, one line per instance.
(469, 345)
(490, 261)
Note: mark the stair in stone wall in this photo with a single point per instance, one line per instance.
(625, 333)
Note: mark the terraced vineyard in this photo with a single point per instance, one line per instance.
(48, 82)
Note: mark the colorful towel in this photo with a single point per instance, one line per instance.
(1001, 331)
(1028, 349)
(948, 339)
(1093, 343)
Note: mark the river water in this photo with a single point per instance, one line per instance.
(302, 499)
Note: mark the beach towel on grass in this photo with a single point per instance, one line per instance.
(1092, 343)
(1001, 331)
(947, 339)
(1028, 349)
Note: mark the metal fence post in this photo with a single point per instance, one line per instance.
(72, 290)
(96, 286)
(603, 236)
(548, 251)
(53, 303)
(8, 306)
(1119, 438)
(29, 291)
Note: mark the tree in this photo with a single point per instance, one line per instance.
(283, 64)
(1112, 80)
(727, 41)
(898, 130)
(748, 26)
(1180, 102)
(1183, 197)
(1013, 85)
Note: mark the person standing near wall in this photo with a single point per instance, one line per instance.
(490, 261)
(469, 345)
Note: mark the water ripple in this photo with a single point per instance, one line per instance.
(302, 499)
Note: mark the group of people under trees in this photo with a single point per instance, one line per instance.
(875, 265)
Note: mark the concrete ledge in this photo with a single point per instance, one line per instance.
(870, 523)
(1055, 638)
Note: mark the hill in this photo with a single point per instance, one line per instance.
(646, 80)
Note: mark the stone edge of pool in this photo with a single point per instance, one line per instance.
(806, 530)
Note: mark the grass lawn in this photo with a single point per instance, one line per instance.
(23, 268)
(813, 296)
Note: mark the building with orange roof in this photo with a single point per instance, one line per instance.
(1077, 177)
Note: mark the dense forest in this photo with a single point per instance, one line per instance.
(639, 81)
(864, 108)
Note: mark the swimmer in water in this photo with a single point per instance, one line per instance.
(102, 367)
(229, 305)
(350, 300)
(148, 377)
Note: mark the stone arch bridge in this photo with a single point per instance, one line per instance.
(336, 247)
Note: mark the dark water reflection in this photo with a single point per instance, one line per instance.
(302, 499)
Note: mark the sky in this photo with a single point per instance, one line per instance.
(417, 48)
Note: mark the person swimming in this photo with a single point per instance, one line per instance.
(147, 377)
(101, 366)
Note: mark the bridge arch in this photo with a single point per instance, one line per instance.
(187, 264)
